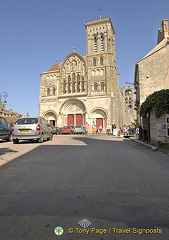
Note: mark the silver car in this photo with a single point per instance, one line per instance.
(31, 128)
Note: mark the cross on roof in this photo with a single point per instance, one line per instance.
(73, 49)
(100, 10)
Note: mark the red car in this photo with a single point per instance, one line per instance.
(67, 130)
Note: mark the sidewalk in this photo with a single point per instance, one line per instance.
(143, 143)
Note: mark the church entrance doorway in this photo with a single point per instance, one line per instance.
(73, 111)
(79, 119)
(99, 116)
(99, 122)
(50, 116)
(75, 119)
(70, 119)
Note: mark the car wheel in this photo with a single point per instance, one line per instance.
(15, 141)
(50, 138)
(40, 140)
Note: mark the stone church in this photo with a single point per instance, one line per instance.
(85, 88)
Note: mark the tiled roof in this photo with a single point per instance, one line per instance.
(54, 67)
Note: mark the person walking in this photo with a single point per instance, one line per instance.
(100, 129)
(93, 128)
(86, 128)
(113, 129)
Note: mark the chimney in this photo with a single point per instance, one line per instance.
(165, 28)
(164, 31)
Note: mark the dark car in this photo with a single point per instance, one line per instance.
(67, 130)
(5, 130)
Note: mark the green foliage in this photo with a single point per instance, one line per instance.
(158, 101)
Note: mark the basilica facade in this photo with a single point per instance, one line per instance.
(85, 88)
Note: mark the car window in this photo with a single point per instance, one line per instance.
(3, 122)
(26, 121)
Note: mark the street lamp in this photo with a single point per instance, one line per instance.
(4, 95)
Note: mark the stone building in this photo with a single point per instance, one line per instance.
(84, 88)
(128, 112)
(9, 115)
(152, 71)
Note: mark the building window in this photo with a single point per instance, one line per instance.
(78, 83)
(102, 86)
(73, 82)
(101, 61)
(95, 86)
(48, 91)
(94, 61)
(128, 92)
(54, 91)
(102, 43)
(64, 87)
(95, 44)
(69, 83)
(83, 84)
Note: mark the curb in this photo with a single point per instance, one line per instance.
(145, 144)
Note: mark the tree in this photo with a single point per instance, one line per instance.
(158, 101)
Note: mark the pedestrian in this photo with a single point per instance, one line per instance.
(113, 129)
(100, 129)
(86, 128)
(108, 128)
(93, 128)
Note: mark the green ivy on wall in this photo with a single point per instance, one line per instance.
(158, 101)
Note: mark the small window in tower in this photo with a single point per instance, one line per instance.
(101, 61)
(128, 92)
(54, 91)
(102, 43)
(48, 91)
(94, 61)
(95, 86)
(102, 85)
(95, 44)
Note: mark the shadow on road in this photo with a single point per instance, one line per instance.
(6, 150)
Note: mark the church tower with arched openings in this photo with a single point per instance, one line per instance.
(103, 77)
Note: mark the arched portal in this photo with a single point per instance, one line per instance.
(99, 116)
(50, 116)
(73, 112)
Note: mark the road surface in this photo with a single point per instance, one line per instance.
(118, 186)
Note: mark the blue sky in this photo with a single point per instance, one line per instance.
(36, 33)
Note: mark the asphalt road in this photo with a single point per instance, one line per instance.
(119, 186)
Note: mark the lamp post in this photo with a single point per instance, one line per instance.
(4, 95)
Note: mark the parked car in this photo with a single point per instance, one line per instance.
(5, 130)
(31, 128)
(67, 130)
(79, 129)
(56, 130)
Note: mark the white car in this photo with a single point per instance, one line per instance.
(31, 128)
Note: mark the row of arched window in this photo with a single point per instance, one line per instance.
(73, 84)
(51, 91)
(95, 61)
(98, 86)
(96, 42)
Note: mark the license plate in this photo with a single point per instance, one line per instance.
(24, 130)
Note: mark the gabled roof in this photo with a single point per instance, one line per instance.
(54, 67)
(161, 45)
